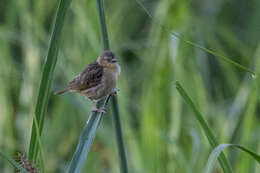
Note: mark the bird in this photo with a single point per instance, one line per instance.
(97, 80)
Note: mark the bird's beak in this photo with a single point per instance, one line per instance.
(114, 60)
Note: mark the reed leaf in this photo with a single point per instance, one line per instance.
(217, 151)
(46, 78)
(217, 55)
(86, 140)
(210, 136)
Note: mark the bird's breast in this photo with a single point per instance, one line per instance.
(110, 77)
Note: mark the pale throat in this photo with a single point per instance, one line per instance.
(112, 70)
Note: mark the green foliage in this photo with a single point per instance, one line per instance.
(159, 129)
(38, 138)
(86, 140)
(195, 45)
(47, 75)
(217, 151)
(211, 138)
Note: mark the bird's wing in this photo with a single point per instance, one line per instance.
(91, 76)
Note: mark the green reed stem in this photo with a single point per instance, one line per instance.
(118, 129)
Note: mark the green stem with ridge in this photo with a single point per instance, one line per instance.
(118, 128)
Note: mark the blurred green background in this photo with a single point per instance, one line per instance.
(161, 134)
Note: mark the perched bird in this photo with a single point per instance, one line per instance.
(97, 80)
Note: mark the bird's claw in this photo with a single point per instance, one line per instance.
(114, 92)
(100, 110)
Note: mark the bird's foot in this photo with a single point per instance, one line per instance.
(114, 92)
(100, 110)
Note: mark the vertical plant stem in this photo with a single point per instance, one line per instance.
(119, 136)
(118, 129)
(103, 24)
(39, 143)
(48, 69)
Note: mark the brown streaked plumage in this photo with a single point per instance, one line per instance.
(97, 80)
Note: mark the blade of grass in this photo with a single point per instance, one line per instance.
(118, 129)
(38, 138)
(211, 138)
(86, 139)
(49, 66)
(13, 162)
(216, 152)
(247, 130)
(217, 55)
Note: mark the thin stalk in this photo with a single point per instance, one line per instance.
(103, 24)
(119, 136)
(48, 69)
(180, 37)
(40, 144)
(118, 129)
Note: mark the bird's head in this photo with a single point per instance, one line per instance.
(107, 59)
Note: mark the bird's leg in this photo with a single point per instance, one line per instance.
(114, 92)
(98, 110)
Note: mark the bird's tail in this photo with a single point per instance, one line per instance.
(61, 91)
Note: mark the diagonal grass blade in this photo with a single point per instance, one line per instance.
(211, 138)
(217, 55)
(49, 66)
(216, 152)
(86, 139)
